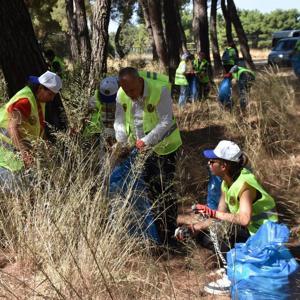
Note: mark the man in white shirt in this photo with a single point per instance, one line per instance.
(144, 119)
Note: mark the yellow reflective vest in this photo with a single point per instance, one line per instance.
(30, 130)
(180, 78)
(172, 140)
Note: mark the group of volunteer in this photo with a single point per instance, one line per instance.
(136, 109)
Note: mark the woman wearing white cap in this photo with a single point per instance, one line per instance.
(243, 200)
(22, 122)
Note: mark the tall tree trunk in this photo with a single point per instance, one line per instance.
(200, 26)
(101, 15)
(172, 37)
(21, 56)
(119, 47)
(158, 33)
(181, 31)
(83, 35)
(228, 26)
(145, 9)
(240, 33)
(214, 37)
(73, 30)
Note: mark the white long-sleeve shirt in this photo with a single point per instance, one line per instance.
(165, 115)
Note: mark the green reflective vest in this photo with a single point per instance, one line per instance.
(241, 70)
(263, 209)
(30, 130)
(172, 141)
(61, 64)
(180, 78)
(156, 76)
(201, 67)
(95, 124)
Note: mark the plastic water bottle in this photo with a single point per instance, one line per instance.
(213, 191)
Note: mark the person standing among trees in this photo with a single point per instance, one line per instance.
(22, 122)
(144, 120)
(201, 67)
(230, 57)
(56, 64)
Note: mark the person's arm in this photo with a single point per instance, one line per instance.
(119, 124)
(165, 115)
(243, 217)
(15, 120)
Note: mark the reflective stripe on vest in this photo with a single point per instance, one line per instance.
(263, 209)
(180, 78)
(229, 57)
(201, 66)
(156, 76)
(172, 141)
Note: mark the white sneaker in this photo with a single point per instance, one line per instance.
(219, 287)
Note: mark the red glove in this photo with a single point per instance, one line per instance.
(205, 210)
(228, 75)
(140, 144)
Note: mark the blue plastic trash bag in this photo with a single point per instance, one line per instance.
(296, 64)
(263, 268)
(121, 180)
(225, 92)
(213, 191)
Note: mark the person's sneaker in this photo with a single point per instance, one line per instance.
(219, 287)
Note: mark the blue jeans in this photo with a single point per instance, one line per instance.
(184, 93)
(194, 88)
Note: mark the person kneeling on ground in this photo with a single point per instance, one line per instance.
(243, 200)
(21, 123)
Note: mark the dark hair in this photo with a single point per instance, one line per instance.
(34, 87)
(235, 168)
(128, 71)
(49, 54)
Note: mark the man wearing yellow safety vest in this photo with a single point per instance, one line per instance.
(56, 64)
(243, 202)
(144, 119)
(201, 67)
(101, 109)
(244, 78)
(22, 122)
(230, 57)
(181, 78)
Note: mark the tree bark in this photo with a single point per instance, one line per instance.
(182, 34)
(21, 56)
(240, 33)
(158, 33)
(119, 48)
(200, 26)
(214, 37)
(83, 35)
(145, 9)
(228, 26)
(101, 15)
(73, 31)
(172, 37)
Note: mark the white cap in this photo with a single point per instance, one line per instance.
(108, 89)
(185, 55)
(226, 150)
(234, 69)
(49, 80)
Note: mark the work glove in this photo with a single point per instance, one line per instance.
(204, 210)
(140, 144)
(228, 75)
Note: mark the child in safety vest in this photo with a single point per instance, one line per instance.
(243, 202)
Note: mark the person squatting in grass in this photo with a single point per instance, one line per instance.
(243, 201)
(144, 119)
(21, 123)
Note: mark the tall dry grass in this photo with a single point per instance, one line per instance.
(56, 230)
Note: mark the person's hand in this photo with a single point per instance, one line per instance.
(204, 210)
(140, 145)
(228, 75)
